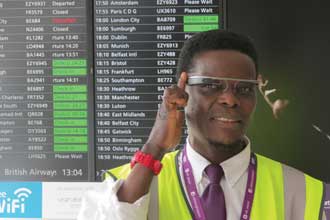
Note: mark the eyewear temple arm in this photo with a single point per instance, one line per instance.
(196, 80)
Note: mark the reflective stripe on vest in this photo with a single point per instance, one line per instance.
(282, 192)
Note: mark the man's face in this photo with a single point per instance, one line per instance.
(219, 117)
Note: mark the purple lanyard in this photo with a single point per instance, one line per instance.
(195, 199)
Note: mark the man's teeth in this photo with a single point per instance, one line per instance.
(226, 119)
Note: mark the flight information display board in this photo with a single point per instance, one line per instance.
(81, 81)
(137, 44)
(44, 90)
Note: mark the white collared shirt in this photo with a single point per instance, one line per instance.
(105, 204)
(233, 182)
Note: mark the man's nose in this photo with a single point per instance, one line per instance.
(228, 98)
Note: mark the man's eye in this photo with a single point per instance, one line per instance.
(213, 86)
(245, 90)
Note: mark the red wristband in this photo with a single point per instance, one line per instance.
(146, 160)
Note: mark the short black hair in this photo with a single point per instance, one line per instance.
(214, 40)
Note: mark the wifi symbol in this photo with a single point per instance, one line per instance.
(22, 193)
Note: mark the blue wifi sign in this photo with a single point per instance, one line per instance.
(20, 199)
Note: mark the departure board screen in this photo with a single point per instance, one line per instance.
(81, 80)
(44, 90)
(137, 44)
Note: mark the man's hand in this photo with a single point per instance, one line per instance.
(167, 130)
(166, 133)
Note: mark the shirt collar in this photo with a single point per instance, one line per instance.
(233, 167)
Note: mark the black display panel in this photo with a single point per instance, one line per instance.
(81, 81)
(44, 91)
(137, 44)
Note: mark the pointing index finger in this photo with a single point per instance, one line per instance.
(182, 80)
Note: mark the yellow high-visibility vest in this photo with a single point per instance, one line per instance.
(281, 192)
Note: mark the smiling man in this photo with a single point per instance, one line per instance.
(215, 175)
(218, 113)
